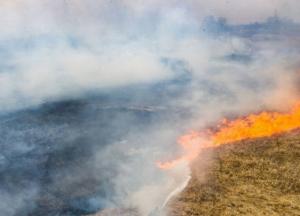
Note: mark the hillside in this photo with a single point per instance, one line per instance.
(254, 177)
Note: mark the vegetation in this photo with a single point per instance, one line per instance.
(253, 177)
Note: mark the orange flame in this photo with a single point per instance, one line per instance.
(252, 126)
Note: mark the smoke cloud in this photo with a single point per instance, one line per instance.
(93, 93)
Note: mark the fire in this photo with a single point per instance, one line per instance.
(191, 145)
(228, 131)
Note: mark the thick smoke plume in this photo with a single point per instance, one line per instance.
(93, 93)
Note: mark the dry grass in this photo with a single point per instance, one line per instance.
(255, 177)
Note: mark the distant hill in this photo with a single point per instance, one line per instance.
(255, 177)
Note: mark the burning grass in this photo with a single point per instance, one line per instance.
(227, 131)
(254, 177)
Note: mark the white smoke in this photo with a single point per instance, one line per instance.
(54, 50)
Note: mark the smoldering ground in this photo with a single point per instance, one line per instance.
(94, 93)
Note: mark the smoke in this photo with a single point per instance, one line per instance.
(127, 39)
(135, 76)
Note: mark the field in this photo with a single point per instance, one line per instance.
(253, 177)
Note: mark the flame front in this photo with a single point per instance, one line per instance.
(252, 126)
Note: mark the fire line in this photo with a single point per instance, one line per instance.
(228, 131)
